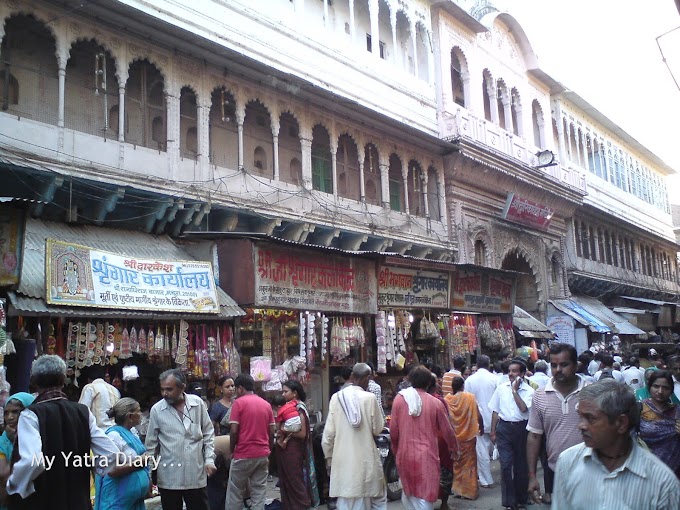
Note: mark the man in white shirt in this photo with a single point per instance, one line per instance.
(510, 405)
(674, 367)
(609, 469)
(99, 396)
(482, 385)
(540, 377)
(607, 365)
(632, 375)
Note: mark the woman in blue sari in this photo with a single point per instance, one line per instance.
(126, 486)
(13, 407)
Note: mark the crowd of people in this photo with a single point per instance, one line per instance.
(606, 431)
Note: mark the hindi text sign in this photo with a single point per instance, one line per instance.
(526, 212)
(479, 291)
(299, 280)
(81, 276)
(413, 288)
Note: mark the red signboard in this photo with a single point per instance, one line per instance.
(526, 212)
(482, 291)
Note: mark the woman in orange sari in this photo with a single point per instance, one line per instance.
(467, 422)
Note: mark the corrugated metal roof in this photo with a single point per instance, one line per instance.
(4, 200)
(124, 242)
(636, 311)
(26, 305)
(649, 301)
(594, 314)
(529, 326)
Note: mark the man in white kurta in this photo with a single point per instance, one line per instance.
(354, 419)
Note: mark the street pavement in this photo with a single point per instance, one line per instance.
(489, 499)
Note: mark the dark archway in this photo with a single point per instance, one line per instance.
(526, 294)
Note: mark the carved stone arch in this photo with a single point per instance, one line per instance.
(522, 252)
(43, 17)
(153, 58)
(486, 73)
(326, 123)
(344, 130)
(403, 8)
(481, 234)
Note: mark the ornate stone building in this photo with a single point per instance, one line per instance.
(407, 126)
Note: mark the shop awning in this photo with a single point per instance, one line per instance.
(29, 298)
(595, 315)
(528, 326)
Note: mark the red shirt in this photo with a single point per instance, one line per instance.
(287, 411)
(254, 416)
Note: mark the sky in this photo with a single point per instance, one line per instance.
(606, 51)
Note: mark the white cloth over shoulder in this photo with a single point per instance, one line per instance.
(350, 404)
(413, 400)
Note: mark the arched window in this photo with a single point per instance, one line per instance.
(223, 129)
(187, 123)
(257, 132)
(145, 106)
(555, 270)
(537, 123)
(396, 184)
(457, 87)
(372, 176)
(480, 253)
(347, 164)
(290, 149)
(608, 247)
(433, 195)
(416, 203)
(322, 176)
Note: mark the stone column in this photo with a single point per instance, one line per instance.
(395, 48)
(507, 110)
(493, 101)
(61, 62)
(334, 166)
(172, 134)
(441, 196)
(414, 48)
(325, 13)
(384, 165)
(240, 119)
(561, 140)
(423, 192)
(577, 139)
(276, 128)
(373, 7)
(203, 134)
(362, 181)
(606, 165)
(306, 149)
(121, 113)
(584, 141)
(520, 116)
(404, 180)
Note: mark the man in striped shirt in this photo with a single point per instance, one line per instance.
(456, 371)
(553, 420)
(609, 469)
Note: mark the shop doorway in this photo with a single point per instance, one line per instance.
(526, 294)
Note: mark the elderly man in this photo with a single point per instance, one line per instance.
(61, 434)
(553, 420)
(182, 436)
(418, 420)
(540, 377)
(609, 469)
(354, 419)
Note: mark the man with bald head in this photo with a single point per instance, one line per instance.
(354, 419)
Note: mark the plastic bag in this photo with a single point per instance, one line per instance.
(495, 455)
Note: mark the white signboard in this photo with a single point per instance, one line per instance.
(412, 288)
(81, 276)
(563, 327)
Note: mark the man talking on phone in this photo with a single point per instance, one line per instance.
(510, 406)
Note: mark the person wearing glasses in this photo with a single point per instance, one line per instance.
(182, 437)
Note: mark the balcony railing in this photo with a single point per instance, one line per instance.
(464, 124)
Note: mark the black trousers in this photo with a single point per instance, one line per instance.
(195, 499)
(548, 474)
(511, 440)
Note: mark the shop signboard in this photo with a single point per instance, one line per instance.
(81, 276)
(524, 211)
(412, 288)
(483, 291)
(304, 280)
(11, 234)
(563, 327)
